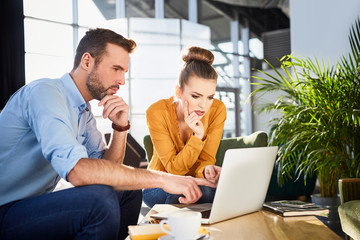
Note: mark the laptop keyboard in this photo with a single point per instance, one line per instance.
(205, 213)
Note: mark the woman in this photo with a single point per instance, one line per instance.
(186, 130)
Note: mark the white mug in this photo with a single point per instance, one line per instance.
(184, 225)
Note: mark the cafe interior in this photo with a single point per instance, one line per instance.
(247, 38)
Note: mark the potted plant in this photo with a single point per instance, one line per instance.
(317, 130)
(318, 127)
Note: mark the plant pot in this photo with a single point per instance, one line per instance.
(333, 220)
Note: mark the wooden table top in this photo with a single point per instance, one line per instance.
(264, 225)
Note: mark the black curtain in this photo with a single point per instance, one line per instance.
(12, 61)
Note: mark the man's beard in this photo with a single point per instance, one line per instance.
(93, 83)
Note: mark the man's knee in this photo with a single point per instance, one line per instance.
(103, 195)
(103, 203)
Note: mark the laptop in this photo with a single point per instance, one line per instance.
(242, 186)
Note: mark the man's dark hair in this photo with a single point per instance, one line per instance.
(95, 41)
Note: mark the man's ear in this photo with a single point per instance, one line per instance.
(86, 61)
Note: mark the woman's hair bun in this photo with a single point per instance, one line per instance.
(197, 54)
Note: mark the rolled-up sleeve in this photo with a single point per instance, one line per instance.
(55, 127)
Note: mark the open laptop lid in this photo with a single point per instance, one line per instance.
(243, 182)
(242, 187)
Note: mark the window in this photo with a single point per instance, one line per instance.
(48, 38)
(52, 30)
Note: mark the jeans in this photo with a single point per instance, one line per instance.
(87, 212)
(154, 196)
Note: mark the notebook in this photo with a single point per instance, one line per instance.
(242, 186)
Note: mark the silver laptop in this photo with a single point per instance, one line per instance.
(242, 186)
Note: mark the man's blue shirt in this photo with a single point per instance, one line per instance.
(45, 129)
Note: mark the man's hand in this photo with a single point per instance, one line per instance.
(116, 109)
(193, 121)
(187, 186)
(212, 173)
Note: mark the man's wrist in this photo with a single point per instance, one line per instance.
(120, 128)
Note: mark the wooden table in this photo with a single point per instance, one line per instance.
(263, 225)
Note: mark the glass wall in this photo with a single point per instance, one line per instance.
(224, 54)
(53, 29)
(48, 38)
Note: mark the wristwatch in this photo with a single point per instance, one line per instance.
(121, 128)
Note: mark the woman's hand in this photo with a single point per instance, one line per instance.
(193, 121)
(212, 173)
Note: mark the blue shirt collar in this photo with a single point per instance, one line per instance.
(74, 94)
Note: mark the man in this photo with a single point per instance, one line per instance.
(48, 131)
